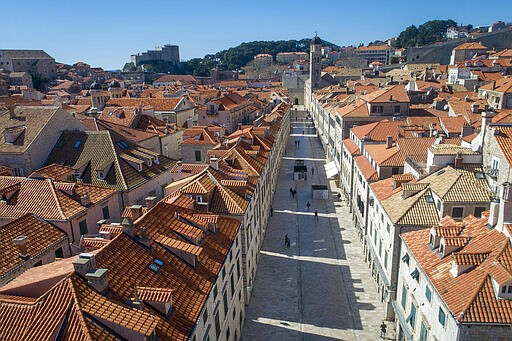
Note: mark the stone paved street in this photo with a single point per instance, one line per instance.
(320, 288)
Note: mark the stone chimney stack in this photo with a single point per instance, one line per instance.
(128, 227)
(21, 245)
(150, 202)
(85, 200)
(84, 263)
(389, 142)
(459, 161)
(136, 211)
(180, 166)
(214, 162)
(98, 279)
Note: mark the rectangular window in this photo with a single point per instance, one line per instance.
(457, 212)
(59, 253)
(397, 109)
(395, 170)
(423, 332)
(106, 213)
(412, 316)
(232, 285)
(238, 269)
(198, 155)
(441, 316)
(385, 259)
(205, 315)
(380, 248)
(404, 296)
(83, 227)
(478, 211)
(428, 293)
(377, 109)
(217, 325)
(215, 292)
(225, 300)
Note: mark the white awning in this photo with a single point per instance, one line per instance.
(331, 169)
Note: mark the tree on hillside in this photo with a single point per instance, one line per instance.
(427, 33)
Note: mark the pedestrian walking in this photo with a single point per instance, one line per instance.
(298, 143)
(316, 215)
(271, 211)
(291, 192)
(288, 243)
(308, 205)
(312, 171)
(303, 132)
(286, 239)
(383, 330)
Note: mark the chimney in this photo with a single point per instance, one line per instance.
(144, 239)
(505, 210)
(84, 263)
(150, 202)
(493, 213)
(98, 279)
(180, 166)
(389, 142)
(21, 245)
(128, 227)
(474, 108)
(391, 98)
(459, 161)
(214, 162)
(85, 200)
(466, 130)
(136, 211)
(493, 85)
(105, 235)
(240, 126)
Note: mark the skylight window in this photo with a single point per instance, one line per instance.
(122, 144)
(156, 265)
(429, 199)
(77, 144)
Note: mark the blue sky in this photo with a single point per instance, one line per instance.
(105, 33)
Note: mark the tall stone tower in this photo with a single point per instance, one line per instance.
(315, 62)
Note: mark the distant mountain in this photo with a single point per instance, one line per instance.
(236, 57)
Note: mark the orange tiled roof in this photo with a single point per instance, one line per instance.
(471, 46)
(469, 296)
(48, 199)
(366, 168)
(352, 148)
(504, 141)
(501, 85)
(40, 235)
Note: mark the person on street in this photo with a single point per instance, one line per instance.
(308, 205)
(383, 330)
(286, 239)
(271, 211)
(291, 192)
(312, 171)
(288, 243)
(316, 215)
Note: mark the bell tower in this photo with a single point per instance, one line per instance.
(315, 62)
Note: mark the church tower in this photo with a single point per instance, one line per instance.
(315, 62)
